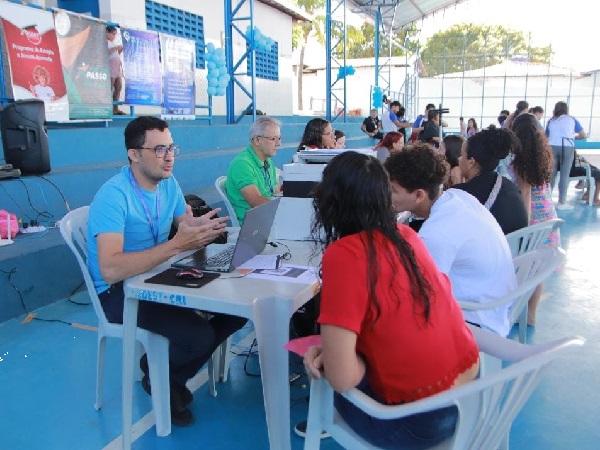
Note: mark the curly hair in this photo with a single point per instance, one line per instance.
(389, 140)
(313, 133)
(489, 146)
(419, 166)
(533, 158)
(355, 196)
(40, 71)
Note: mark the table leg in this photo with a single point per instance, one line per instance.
(129, 326)
(271, 323)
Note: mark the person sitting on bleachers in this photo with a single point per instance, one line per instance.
(371, 126)
(462, 236)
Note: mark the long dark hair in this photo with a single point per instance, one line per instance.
(313, 133)
(354, 196)
(533, 158)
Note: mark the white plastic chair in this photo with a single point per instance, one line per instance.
(73, 228)
(589, 180)
(531, 269)
(486, 406)
(220, 185)
(531, 237)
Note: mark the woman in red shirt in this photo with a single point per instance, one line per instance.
(389, 323)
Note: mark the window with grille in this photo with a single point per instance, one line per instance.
(177, 22)
(267, 63)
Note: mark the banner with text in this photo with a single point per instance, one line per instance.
(179, 64)
(143, 80)
(84, 56)
(33, 55)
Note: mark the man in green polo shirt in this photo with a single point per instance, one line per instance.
(251, 177)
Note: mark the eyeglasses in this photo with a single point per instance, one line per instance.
(272, 138)
(161, 150)
(331, 133)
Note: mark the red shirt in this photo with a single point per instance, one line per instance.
(406, 358)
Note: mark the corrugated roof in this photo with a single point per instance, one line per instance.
(398, 12)
(289, 8)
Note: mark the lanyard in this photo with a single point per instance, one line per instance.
(153, 226)
(267, 176)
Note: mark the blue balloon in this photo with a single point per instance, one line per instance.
(212, 90)
(223, 70)
(219, 52)
(223, 83)
(268, 48)
(220, 91)
(210, 47)
(211, 65)
(213, 81)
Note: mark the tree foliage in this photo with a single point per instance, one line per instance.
(473, 46)
(361, 41)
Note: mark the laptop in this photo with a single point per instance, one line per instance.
(251, 241)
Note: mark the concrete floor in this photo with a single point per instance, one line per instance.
(47, 375)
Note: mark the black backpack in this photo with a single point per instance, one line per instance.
(199, 208)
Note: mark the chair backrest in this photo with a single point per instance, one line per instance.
(531, 269)
(220, 185)
(531, 237)
(73, 228)
(487, 406)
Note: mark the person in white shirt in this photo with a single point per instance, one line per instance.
(562, 130)
(462, 236)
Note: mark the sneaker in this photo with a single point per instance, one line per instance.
(300, 430)
(564, 207)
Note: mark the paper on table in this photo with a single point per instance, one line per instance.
(262, 262)
(300, 346)
(296, 274)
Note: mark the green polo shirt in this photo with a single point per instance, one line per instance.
(247, 169)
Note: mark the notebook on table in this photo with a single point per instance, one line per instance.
(251, 241)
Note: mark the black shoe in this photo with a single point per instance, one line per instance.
(300, 430)
(184, 395)
(182, 418)
(181, 397)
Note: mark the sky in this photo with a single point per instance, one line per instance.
(572, 30)
(571, 27)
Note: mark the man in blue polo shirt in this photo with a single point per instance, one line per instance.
(251, 177)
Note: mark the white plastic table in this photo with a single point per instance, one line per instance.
(269, 304)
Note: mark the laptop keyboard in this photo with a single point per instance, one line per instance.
(222, 259)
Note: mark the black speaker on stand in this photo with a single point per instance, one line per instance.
(24, 136)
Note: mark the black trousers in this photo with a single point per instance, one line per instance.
(192, 338)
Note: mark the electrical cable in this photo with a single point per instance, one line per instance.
(59, 191)
(15, 202)
(22, 300)
(45, 214)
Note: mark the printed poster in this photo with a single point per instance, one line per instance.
(33, 55)
(143, 79)
(179, 65)
(84, 56)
